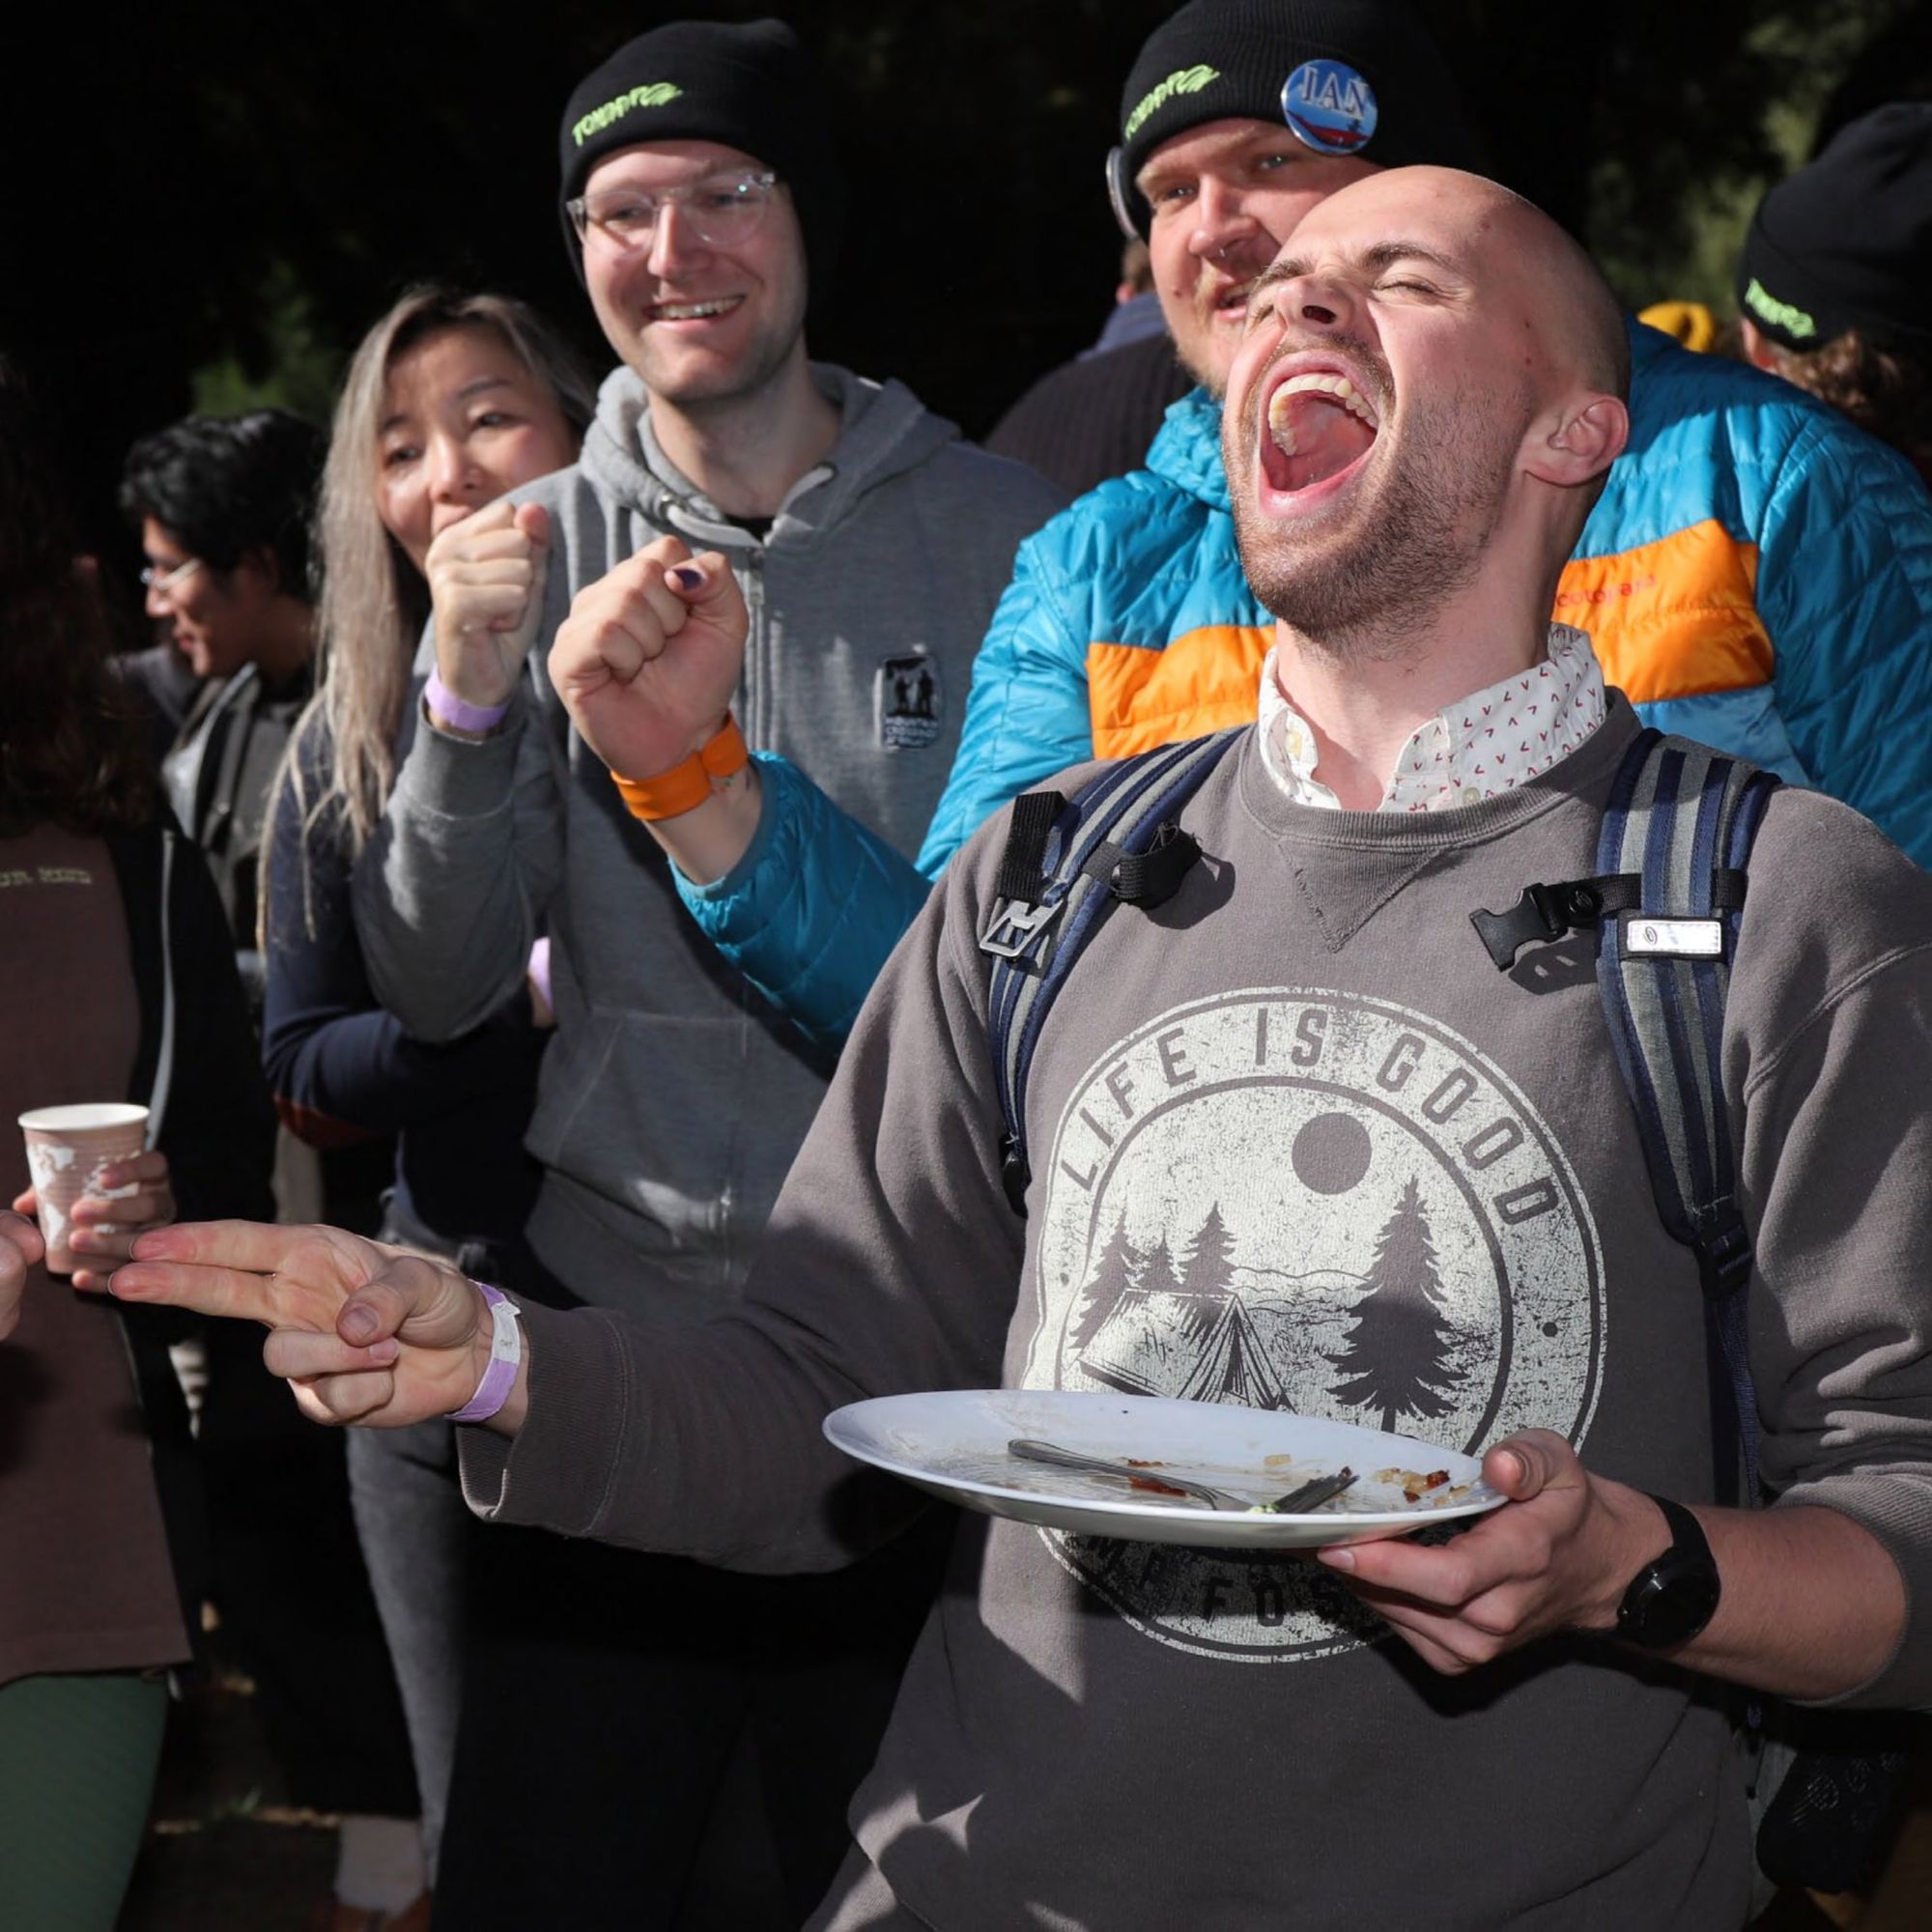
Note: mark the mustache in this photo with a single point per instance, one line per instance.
(1367, 361)
(1212, 287)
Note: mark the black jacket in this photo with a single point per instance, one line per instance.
(197, 1071)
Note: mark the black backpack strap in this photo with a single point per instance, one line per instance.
(1067, 862)
(1681, 819)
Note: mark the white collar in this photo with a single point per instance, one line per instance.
(1474, 749)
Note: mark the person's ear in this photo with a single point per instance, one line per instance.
(1579, 443)
(1759, 351)
(260, 570)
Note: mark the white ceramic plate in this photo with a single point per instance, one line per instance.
(954, 1444)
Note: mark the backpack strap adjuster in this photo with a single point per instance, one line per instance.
(1723, 1251)
(1017, 927)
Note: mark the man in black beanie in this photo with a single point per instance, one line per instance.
(646, 1706)
(1249, 112)
(1835, 283)
(1239, 115)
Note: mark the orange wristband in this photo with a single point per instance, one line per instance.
(685, 787)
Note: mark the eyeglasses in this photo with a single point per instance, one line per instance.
(161, 583)
(720, 209)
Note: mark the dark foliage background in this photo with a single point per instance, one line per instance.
(205, 204)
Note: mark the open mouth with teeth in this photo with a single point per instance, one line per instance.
(1319, 427)
(691, 311)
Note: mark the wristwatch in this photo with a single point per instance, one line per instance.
(1675, 1595)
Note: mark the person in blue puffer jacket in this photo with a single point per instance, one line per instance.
(1757, 573)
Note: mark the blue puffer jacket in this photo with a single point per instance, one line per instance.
(1757, 574)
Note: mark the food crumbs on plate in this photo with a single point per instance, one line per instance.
(1153, 1483)
(1413, 1483)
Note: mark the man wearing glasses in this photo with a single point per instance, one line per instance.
(701, 207)
(222, 506)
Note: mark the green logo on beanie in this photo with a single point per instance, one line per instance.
(1183, 80)
(1780, 315)
(657, 95)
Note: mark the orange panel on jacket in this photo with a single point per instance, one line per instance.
(1204, 681)
(1675, 619)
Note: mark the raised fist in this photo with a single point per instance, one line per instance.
(486, 582)
(648, 658)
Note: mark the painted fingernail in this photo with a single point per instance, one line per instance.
(687, 577)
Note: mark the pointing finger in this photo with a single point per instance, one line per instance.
(232, 1244)
(229, 1293)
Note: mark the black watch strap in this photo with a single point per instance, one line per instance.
(1674, 1595)
(1687, 1533)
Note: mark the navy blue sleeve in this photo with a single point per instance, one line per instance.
(340, 1067)
(217, 1130)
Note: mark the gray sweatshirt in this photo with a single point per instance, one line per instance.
(672, 1099)
(1296, 1143)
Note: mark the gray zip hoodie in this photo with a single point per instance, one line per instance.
(673, 1100)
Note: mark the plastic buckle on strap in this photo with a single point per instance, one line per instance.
(1015, 926)
(1543, 914)
(1724, 1258)
(1014, 1173)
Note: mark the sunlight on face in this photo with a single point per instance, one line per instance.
(463, 421)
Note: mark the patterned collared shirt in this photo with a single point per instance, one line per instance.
(1474, 749)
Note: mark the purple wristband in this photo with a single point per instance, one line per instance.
(446, 708)
(506, 1352)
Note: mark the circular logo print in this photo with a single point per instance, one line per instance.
(1306, 1200)
(1330, 108)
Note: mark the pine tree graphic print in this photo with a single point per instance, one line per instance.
(1313, 1201)
(1399, 1342)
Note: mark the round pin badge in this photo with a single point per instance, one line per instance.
(1329, 106)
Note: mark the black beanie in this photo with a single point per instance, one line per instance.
(1846, 242)
(1367, 80)
(749, 88)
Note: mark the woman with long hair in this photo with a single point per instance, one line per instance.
(119, 978)
(450, 401)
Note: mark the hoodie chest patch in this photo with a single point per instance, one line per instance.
(908, 703)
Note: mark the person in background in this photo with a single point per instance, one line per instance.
(1834, 281)
(164, 682)
(698, 1735)
(223, 507)
(1093, 418)
(1136, 313)
(118, 980)
(450, 400)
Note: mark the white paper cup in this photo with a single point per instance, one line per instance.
(66, 1147)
